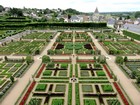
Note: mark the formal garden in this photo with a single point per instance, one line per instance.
(8, 33)
(53, 84)
(98, 90)
(69, 42)
(109, 36)
(121, 47)
(131, 67)
(69, 79)
(65, 36)
(50, 89)
(82, 36)
(40, 35)
(22, 47)
(10, 71)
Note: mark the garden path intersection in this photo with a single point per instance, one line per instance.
(125, 82)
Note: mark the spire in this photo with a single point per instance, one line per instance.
(96, 10)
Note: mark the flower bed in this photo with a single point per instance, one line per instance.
(64, 65)
(121, 47)
(120, 93)
(84, 73)
(87, 88)
(41, 87)
(60, 88)
(110, 76)
(107, 88)
(57, 102)
(35, 101)
(60, 60)
(63, 73)
(113, 102)
(83, 60)
(40, 71)
(70, 94)
(83, 66)
(100, 73)
(89, 102)
(27, 93)
(47, 73)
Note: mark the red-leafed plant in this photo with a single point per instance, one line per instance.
(110, 76)
(121, 93)
(40, 71)
(27, 93)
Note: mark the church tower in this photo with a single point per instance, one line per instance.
(95, 16)
(96, 11)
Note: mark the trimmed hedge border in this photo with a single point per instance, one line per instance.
(53, 25)
(131, 34)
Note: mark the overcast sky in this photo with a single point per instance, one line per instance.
(81, 5)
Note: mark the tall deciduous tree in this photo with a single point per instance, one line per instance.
(16, 12)
(1, 8)
(137, 14)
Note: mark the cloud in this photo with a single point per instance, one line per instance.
(81, 5)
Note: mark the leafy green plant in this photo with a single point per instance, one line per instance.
(89, 102)
(107, 88)
(58, 102)
(35, 101)
(100, 73)
(41, 87)
(47, 73)
(83, 66)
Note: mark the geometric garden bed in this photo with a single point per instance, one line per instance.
(55, 89)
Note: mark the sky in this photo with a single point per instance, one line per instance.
(80, 5)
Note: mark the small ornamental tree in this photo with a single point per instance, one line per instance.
(51, 52)
(37, 51)
(119, 60)
(95, 59)
(5, 58)
(23, 59)
(101, 59)
(28, 59)
(45, 59)
(133, 74)
(138, 79)
(12, 79)
(125, 59)
(115, 78)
